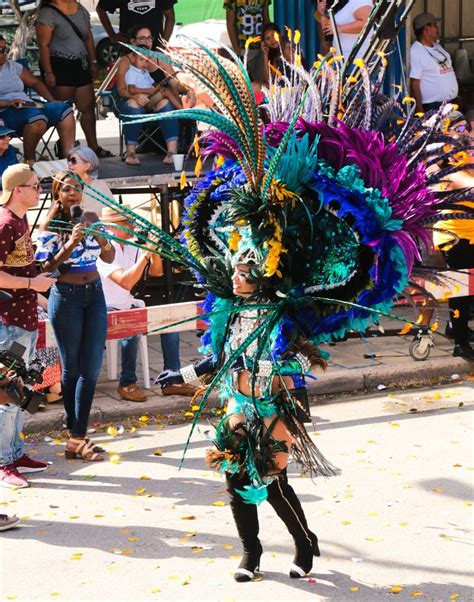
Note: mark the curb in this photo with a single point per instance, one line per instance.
(108, 408)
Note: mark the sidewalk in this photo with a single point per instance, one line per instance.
(348, 371)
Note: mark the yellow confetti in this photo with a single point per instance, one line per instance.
(185, 580)
(22, 437)
(124, 531)
(73, 517)
(355, 589)
(156, 590)
(115, 459)
(395, 589)
(197, 550)
(189, 517)
(194, 408)
(99, 515)
(143, 419)
(394, 424)
(345, 522)
(228, 546)
(54, 594)
(140, 491)
(112, 431)
(454, 596)
(468, 503)
(437, 490)
(403, 524)
(12, 597)
(188, 415)
(218, 503)
(144, 478)
(373, 539)
(416, 594)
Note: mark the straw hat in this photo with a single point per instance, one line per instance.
(110, 215)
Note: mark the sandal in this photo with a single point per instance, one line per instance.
(132, 159)
(97, 448)
(84, 449)
(103, 153)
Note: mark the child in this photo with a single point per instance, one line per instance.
(139, 81)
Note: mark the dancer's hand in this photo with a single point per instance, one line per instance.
(169, 377)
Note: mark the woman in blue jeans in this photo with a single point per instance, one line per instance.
(77, 308)
(135, 104)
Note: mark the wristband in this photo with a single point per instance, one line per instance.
(48, 73)
(29, 284)
(188, 373)
(304, 362)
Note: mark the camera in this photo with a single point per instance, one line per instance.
(22, 396)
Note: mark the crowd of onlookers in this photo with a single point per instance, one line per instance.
(68, 68)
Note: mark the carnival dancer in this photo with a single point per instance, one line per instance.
(307, 228)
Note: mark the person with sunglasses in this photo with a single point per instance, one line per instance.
(76, 307)
(432, 77)
(82, 161)
(18, 313)
(7, 152)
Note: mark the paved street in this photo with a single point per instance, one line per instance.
(397, 519)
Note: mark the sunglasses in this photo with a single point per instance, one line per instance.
(74, 160)
(36, 186)
(3, 49)
(69, 188)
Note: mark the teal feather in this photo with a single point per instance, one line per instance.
(253, 495)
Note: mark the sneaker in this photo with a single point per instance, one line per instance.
(131, 393)
(27, 464)
(8, 522)
(184, 389)
(10, 477)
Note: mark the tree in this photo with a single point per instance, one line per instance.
(26, 27)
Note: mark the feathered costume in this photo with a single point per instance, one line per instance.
(329, 203)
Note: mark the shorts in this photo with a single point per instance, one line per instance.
(70, 72)
(52, 113)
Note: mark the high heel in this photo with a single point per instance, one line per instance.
(83, 448)
(246, 521)
(286, 504)
(249, 564)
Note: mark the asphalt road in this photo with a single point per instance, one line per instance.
(396, 523)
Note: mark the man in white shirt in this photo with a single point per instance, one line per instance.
(118, 278)
(432, 76)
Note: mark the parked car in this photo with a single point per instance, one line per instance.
(107, 52)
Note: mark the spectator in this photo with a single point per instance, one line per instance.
(432, 76)
(350, 20)
(18, 316)
(83, 161)
(25, 117)
(135, 104)
(118, 279)
(275, 48)
(67, 59)
(245, 20)
(7, 152)
(76, 307)
(159, 14)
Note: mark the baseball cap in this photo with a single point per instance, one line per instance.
(423, 19)
(5, 130)
(13, 176)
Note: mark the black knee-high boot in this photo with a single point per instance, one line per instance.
(246, 521)
(286, 504)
